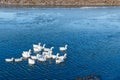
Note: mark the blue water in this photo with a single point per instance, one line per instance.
(92, 35)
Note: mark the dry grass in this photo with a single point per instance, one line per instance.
(61, 2)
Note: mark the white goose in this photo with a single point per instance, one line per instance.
(36, 45)
(19, 59)
(48, 54)
(63, 48)
(37, 48)
(59, 60)
(31, 61)
(44, 53)
(9, 60)
(55, 56)
(41, 57)
(26, 54)
(48, 49)
(62, 57)
(38, 56)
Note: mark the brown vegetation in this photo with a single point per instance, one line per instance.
(61, 2)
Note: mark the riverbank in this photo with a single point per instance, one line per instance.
(56, 6)
(58, 3)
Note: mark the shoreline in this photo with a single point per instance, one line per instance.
(55, 6)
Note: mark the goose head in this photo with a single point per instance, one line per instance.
(39, 44)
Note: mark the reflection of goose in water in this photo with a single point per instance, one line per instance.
(31, 61)
(9, 60)
(63, 48)
(18, 59)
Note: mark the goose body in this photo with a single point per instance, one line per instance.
(42, 59)
(45, 53)
(18, 59)
(9, 60)
(38, 56)
(48, 54)
(37, 49)
(63, 48)
(31, 61)
(34, 57)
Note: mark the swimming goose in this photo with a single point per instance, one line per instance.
(18, 59)
(41, 59)
(36, 45)
(62, 57)
(9, 60)
(63, 48)
(48, 54)
(26, 54)
(48, 49)
(37, 48)
(31, 61)
(38, 56)
(59, 60)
